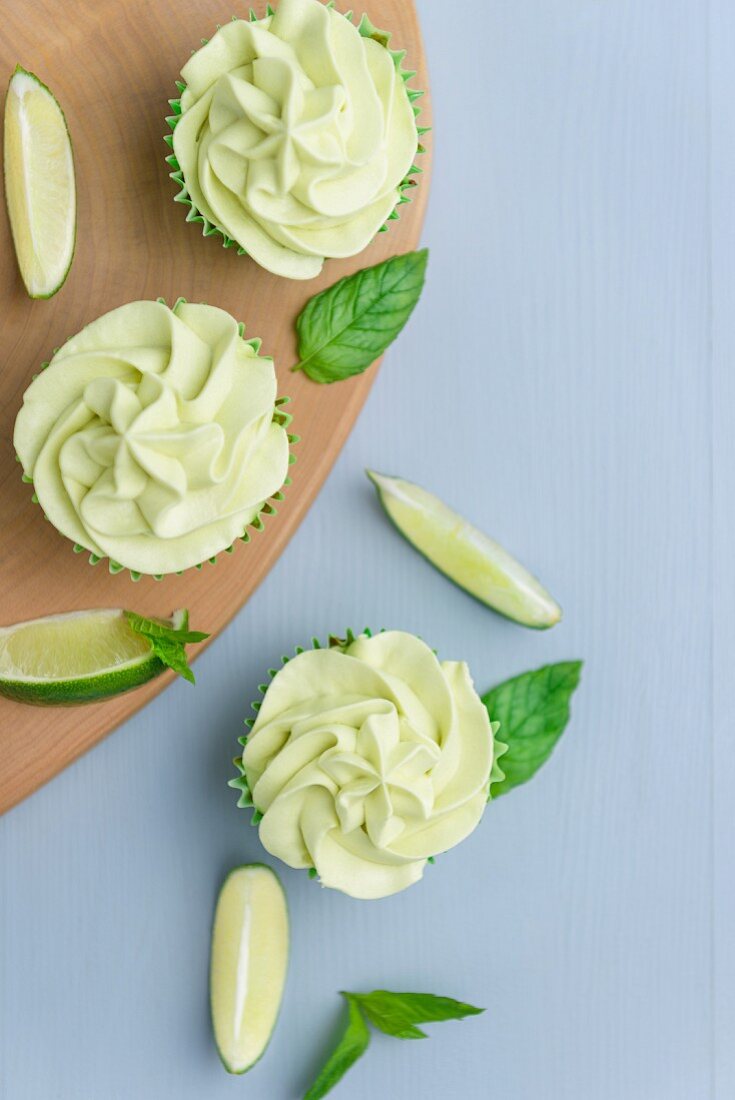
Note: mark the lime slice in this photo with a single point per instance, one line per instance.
(467, 556)
(39, 184)
(77, 658)
(249, 963)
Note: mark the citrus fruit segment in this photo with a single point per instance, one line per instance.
(248, 965)
(81, 657)
(40, 188)
(470, 558)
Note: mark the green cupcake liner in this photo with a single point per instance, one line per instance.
(240, 782)
(256, 525)
(367, 30)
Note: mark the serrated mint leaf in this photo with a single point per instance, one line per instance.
(168, 642)
(352, 1045)
(348, 326)
(533, 711)
(395, 1014)
(154, 628)
(398, 1013)
(173, 654)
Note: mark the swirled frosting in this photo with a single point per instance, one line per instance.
(295, 134)
(150, 438)
(366, 760)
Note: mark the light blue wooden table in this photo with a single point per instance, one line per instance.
(567, 382)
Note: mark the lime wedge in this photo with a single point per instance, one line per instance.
(82, 657)
(39, 184)
(249, 963)
(467, 556)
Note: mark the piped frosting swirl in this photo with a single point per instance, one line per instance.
(296, 132)
(367, 759)
(152, 437)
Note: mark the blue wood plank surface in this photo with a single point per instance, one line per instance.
(566, 382)
(723, 494)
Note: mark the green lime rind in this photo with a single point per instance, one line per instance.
(222, 1056)
(209, 229)
(489, 573)
(256, 525)
(93, 687)
(72, 693)
(50, 294)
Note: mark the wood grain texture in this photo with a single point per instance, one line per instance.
(112, 66)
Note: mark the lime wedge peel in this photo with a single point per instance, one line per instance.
(468, 557)
(250, 946)
(40, 187)
(81, 657)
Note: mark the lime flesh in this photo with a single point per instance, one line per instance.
(40, 187)
(81, 657)
(470, 558)
(248, 966)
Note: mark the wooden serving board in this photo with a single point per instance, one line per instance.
(112, 65)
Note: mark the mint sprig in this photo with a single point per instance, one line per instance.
(353, 1044)
(168, 642)
(395, 1014)
(533, 710)
(398, 1013)
(348, 326)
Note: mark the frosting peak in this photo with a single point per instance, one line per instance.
(367, 759)
(152, 436)
(295, 134)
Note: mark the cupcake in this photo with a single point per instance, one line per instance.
(154, 437)
(295, 136)
(366, 760)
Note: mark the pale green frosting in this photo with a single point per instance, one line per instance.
(367, 761)
(150, 438)
(296, 133)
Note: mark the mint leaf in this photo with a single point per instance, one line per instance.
(168, 642)
(173, 654)
(348, 326)
(351, 1046)
(397, 1013)
(155, 628)
(533, 711)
